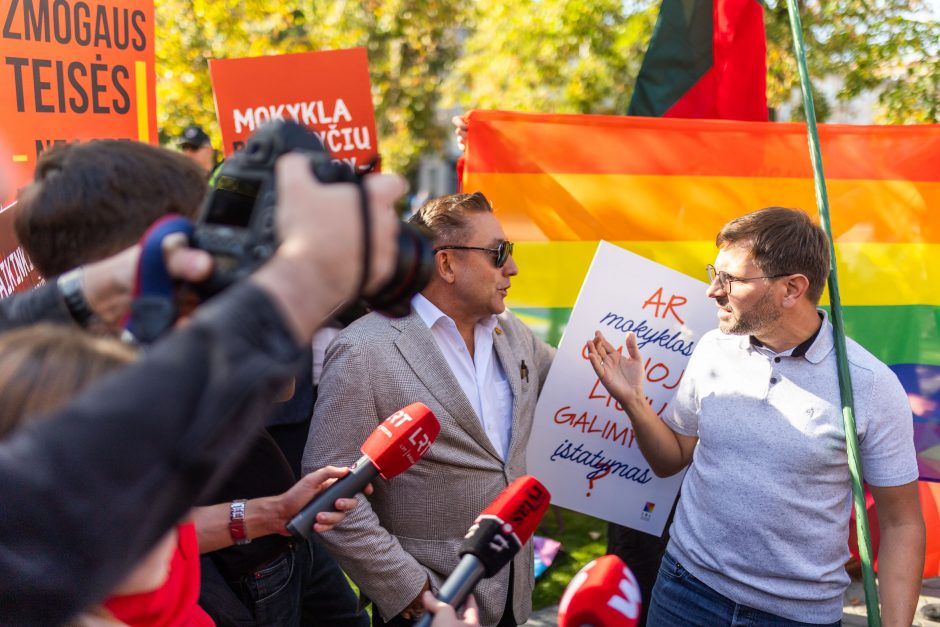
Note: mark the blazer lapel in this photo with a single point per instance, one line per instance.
(423, 356)
(512, 368)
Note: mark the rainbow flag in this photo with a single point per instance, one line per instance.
(663, 188)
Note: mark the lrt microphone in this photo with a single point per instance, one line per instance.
(395, 446)
(495, 537)
(603, 594)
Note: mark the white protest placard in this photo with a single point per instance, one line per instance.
(582, 445)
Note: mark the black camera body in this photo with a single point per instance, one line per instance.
(236, 224)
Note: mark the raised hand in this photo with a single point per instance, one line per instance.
(621, 374)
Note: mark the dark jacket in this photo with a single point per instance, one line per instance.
(87, 491)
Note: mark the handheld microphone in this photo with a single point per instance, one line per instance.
(603, 594)
(396, 444)
(495, 537)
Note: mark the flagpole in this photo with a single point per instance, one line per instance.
(845, 379)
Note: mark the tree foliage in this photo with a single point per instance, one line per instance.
(411, 45)
(574, 56)
(882, 45)
(562, 56)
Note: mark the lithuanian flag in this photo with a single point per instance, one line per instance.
(663, 188)
(706, 59)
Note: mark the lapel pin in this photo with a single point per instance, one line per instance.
(498, 331)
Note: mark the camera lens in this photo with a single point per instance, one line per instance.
(412, 272)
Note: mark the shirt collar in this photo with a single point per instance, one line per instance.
(428, 311)
(431, 314)
(813, 348)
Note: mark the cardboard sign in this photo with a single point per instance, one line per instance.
(73, 70)
(329, 92)
(582, 445)
(16, 269)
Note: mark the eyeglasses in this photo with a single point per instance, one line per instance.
(501, 252)
(725, 279)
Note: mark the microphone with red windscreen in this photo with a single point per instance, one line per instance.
(495, 537)
(396, 444)
(603, 594)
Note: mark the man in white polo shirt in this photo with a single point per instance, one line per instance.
(760, 534)
(479, 369)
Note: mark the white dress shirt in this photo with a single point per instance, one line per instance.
(482, 377)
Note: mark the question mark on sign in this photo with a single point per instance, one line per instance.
(597, 474)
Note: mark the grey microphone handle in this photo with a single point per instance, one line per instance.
(301, 525)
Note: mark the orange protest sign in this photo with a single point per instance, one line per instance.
(328, 91)
(73, 70)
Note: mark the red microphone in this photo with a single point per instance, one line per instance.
(495, 537)
(395, 446)
(603, 594)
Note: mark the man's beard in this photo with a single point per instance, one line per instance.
(752, 321)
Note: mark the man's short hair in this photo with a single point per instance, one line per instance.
(446, 216)
(782, 241)
(91, 200)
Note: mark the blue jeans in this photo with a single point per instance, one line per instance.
(681, 600)
(303, 586)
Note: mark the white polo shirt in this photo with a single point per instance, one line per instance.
(482, 377)
(764, 513)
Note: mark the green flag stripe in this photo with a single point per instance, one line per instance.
(907, 334)
(679, 54)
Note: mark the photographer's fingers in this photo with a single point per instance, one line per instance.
(185, 263)
(319, 262)
(383, 190)
(317, 266)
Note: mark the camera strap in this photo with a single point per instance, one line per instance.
(153, 310)
(366, 234)
(368, 168)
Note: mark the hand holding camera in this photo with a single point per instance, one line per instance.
(252, 212)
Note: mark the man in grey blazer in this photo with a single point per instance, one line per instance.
(479, 369)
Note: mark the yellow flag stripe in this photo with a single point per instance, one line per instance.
(572, 207)
(551, 273)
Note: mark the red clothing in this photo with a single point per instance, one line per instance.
(175, 603)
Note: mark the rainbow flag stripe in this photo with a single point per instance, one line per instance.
(664, 187)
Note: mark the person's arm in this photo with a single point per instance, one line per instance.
(269, 515)
(104, 286)
(40, 304)
(344, 416)
(107, 287)
(307, 297)
(666, 451)
(96, 483)
(889, 461)
(901, 552)
(90, 488)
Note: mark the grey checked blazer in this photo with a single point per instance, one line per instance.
(412, 526)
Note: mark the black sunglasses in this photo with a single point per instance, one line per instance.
(501, 252)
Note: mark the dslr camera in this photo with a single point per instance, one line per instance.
(236, 224)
